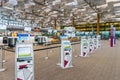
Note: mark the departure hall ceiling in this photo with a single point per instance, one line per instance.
(46, 11)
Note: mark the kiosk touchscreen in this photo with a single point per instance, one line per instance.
(24, 54)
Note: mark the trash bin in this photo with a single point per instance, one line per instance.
(12, 41)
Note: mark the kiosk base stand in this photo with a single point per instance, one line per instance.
(67, 67)
(75, 56)
(58, 64)
(46, 58)
(4, 61)
(1, 70)
(84, 55)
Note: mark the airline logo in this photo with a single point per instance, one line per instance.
(67, 59)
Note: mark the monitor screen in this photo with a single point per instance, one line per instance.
(24, 52)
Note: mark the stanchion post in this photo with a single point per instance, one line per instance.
(46, 52)
(75, 50)
(4, 54)
(1, 60)
(59, 54)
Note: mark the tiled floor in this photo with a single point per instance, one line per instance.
(103, 64)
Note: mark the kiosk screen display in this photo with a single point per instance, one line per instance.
(24, 52)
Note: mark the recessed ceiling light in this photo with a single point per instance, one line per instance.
(13, 2)
(72, 3)
(117, 4)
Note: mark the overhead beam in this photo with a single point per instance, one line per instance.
(39, 3)
(91, 5)
(37, 15)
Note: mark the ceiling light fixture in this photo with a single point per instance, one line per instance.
(13, 2)
(74, 3)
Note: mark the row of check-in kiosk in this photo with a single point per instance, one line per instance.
(89, 44)
(24, 58)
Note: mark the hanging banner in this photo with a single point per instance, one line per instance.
(84, 47)
(24, 62)
(66, 54)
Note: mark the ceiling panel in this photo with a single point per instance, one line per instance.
(47, 10)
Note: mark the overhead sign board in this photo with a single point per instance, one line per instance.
(3, 27)
(27, 29)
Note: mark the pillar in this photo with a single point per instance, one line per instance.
(55, 25)
(98, 23)
(73, 21)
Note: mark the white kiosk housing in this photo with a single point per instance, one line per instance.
(66, 54)
(84, 47)
(98, 41)
(69, 31)
(95, 43)
(91, 45)
(24, 62)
